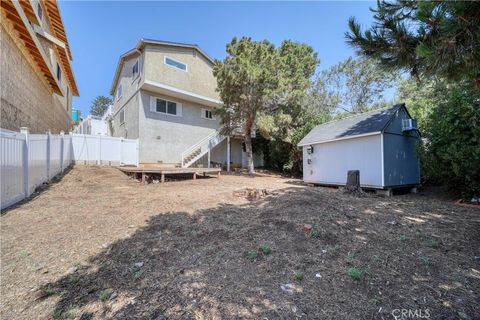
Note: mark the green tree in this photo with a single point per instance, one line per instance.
(423, 37)
(451, 153)
(259, 81)
(100, 105)
(355, 85)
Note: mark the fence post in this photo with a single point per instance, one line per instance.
(62, 136)
(99, 159)
(26, 151)
(48, 154)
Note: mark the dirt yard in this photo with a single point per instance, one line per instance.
(98, 245)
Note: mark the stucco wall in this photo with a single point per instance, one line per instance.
(331, 161)
(130, 128)
(128, 81)
(198, 78)
(26, 100)
(164, 137)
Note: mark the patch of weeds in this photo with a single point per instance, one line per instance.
(74, 278)
(433, 243)
(313, 233)
(403, 238)
(265, 248)
(47, 290)
(354, 273)
(71, 312)
(136, 272)
(252, 254)
(24, 254)
(105, 294)
(351, 255)
(425, 260)
(299, 276)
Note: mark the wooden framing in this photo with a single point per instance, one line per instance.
(52, 14)
(146, 172)
(15, 17)
(56, 23)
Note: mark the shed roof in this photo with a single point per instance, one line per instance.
(367, 123)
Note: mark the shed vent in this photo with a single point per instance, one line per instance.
(409, 124)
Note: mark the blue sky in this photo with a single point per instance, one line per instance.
(99, 32)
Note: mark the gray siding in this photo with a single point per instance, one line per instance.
(401, 165)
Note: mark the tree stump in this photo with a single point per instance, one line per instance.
(353, 181)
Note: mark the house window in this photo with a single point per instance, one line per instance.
(171, 108)
(59, 73)
(119, 92)
(165, 106)
(135, 69)
(175, 63)
(207, 114)
(39, 11)
(122, 116)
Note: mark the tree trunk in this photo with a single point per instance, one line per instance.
(248, 148)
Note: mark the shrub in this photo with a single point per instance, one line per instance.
(451, 152)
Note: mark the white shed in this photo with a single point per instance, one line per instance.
(380, 144)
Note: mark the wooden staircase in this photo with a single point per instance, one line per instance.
(201, 148)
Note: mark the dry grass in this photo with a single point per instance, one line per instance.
(99, 245)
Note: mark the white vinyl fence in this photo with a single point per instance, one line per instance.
(28, 160)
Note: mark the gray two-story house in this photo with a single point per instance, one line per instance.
(164, 94)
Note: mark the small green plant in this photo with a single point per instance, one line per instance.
(351, 255)
(74, 278)
(265, 248)
(354, 273)
(252, 254)
(299, 276)
(403, 238)
(136, 272)
(71, 312)
(24, 254)
(425, 260)
(47, 290)
(105, 294)
(313, 233)
(433, 243)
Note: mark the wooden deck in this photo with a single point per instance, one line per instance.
(146, 172)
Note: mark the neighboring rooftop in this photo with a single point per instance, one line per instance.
(361, 124)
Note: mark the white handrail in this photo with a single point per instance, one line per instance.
(198, 144)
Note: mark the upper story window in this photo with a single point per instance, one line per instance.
(175, 63)
(119, 92)
(39, 11)
(135, 69)
(207, 114)
(59, 73)
(167, 107)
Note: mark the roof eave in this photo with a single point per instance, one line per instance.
(302, 144)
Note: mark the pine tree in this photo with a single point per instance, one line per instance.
(426, 38)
